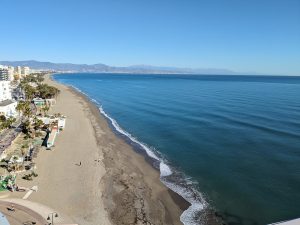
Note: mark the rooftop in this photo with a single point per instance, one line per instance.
(6, 102)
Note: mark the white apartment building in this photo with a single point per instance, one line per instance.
(5, 91)
(11, 73)
(18, 71)
(8, 108)
(25, 71)
(6, 73)
(7, 105)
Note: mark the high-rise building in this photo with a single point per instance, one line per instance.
(11, 71)
(25, 71)
(18, 71)
(6, 73)
(4, 76)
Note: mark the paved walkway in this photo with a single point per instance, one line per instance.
(27, 211)
(8, 136)
(21, 214)
(29, 192)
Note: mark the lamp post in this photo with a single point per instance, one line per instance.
(50, 216)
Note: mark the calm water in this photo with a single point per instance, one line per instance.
(236, 139)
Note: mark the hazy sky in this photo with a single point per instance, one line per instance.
(241, 35)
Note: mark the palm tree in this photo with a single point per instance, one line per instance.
(6, 122)
(20, 106)
(37, 124)
(27, 111)
(24, 108)
(10, 121)
(23, 152)
(29, 92)
(46, 91)
(45, 109)
(26, 128)
(39, 78)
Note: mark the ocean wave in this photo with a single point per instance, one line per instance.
(182, 185)
(189, 216)
(120, 130)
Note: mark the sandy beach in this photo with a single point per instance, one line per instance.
(113, 184)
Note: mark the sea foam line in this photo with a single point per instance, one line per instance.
(189, 194)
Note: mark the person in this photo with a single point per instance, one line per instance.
(12, 208)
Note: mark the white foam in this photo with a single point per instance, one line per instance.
(188, 216)
(165, 170)
(193, 197)
(120, 130)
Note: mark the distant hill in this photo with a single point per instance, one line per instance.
(102, 68)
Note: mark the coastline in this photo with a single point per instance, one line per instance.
(132, 192)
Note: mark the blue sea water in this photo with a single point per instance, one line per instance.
(231, 142)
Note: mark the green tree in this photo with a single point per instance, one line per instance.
(37, 124)
(45, 91)
(45, 109)
(6, 122)
(29, 92)
(40, 78)
(24, 108)
(26, 128)
(10, 121)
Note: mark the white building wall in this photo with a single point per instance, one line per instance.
(11, 72)
(9, 110)
(25, 71)
(5, 91)
(18, 71)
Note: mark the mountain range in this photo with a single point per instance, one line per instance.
(102, 68)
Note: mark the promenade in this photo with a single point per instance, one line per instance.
(8, 136)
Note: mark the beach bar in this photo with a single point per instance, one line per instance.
(52, 136)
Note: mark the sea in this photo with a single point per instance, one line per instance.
(226, 143)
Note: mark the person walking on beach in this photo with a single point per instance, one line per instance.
(12, 208)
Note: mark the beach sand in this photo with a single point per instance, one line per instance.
(113, 185)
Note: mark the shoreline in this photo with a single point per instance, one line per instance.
(132, 192)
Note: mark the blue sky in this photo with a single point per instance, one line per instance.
(254, 35)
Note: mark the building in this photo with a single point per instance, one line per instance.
(4, 74)
(11, 73)
(39, 102)
(7, 73)
(18, 71)
(25, 71)
(60, 121)
(8, 108)
(5, 91)
(7, 105)
(51, 136)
